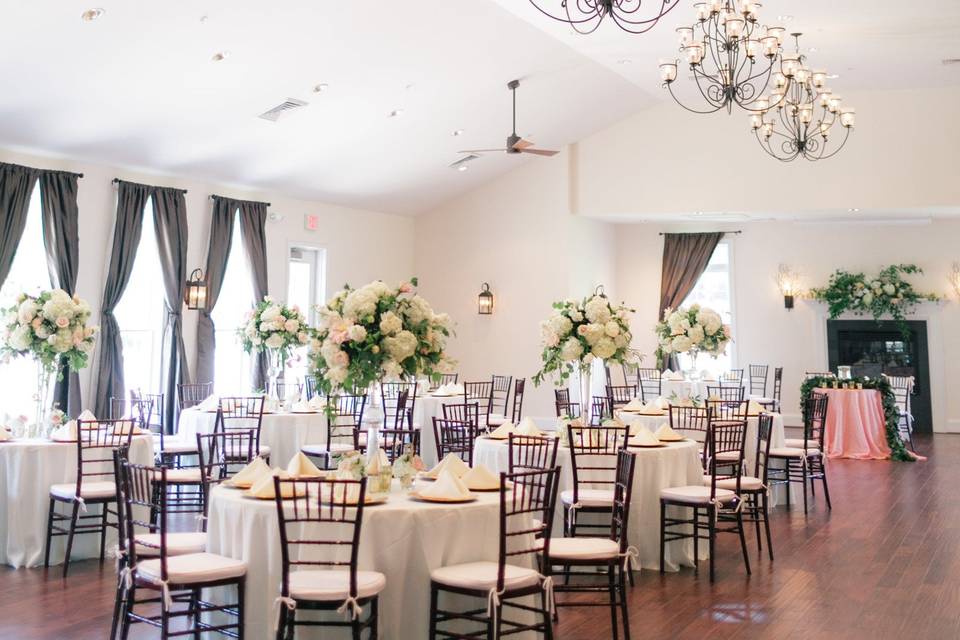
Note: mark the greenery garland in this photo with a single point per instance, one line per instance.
(888, 293)
(890, 411)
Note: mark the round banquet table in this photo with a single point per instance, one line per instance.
(404, 539)
(29, 467)
(856, 425)
(284, 433)
(425, 410)
(673, 465)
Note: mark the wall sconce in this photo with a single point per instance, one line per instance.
(788, 283)
(954, 278)
(485, 301)
(196, 293)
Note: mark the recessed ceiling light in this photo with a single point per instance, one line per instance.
(92, 14)
(813, 49)
(395, 113)
(786, 17)
(698, 213)
(320, 88)
(409, 86)
(853, 210)
(833, 76)
(204, 18)
(220, 56)
(462, 167)
(457, 132)
(624, 61)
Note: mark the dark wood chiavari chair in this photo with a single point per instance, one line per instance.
(394, 439)
(715, 509)
(480, 393)
(732, 377)
(758, 379)
(192, 394)
(344, 431)
(158, 565)
(728, 409)
(600, 410)
(524, 533)
(517, 411)
(561, 402)
(531, 453)
(389, 394)
(310, 386)
(319, 550)
(691, 422)
(773, 402)
(611, 553)
(241, 413)
(593, 461)
(619, 395)
(726, 393)
(95, 485)
(631, 375)
(568, 410)
(120, 456)
(221, 454)
(469, 413)
(754, 488)
(500, 394)
(454, 437)
(804, 463)
(650, 383)
(445, 378)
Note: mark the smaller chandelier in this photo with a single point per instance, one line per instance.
(799, 116)
(585, 16)
(731, 56)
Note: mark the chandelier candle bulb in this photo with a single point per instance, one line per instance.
(819, 79)
(668, 70)
(833, 103)
(848, 117)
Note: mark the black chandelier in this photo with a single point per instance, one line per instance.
(798, 118)
(731, 56)
(585, 16)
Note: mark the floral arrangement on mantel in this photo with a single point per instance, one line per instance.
(693, 330)
(378, 333)
(579, 331)
(886, 294)
(898, 451)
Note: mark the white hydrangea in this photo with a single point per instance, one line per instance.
(612, 328)
(604, 348)
(390, 323)
(681, 344)
(401, 346)
(597, 310)
(27, 310)
(357, 333)
(695, 333)
(571, 349)
(292, 325)
(20, 338)
(274, 341)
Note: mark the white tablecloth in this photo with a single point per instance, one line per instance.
(403, 539)
(29, 467)
(674, 465)
(690, 388)
(284, 433)
(425, 410)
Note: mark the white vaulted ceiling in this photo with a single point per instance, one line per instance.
(137, 87)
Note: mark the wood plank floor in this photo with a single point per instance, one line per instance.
(885, 563)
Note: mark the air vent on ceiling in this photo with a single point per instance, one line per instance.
(950, 61)
(463, 161)
(283, 108)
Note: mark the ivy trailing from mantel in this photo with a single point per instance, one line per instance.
(891, 415)
(888, 293)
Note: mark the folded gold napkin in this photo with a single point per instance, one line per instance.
(300, 466)
(264, 487)
(755, 408)
(480, 478)
(86, 414)
(642, 437)
(661, 403)
(634, 405)
(65, 432)
(503, 431)
(447, 487)
(528, 427)
(666, 433)
(123, 427)
(250, 474)
(651, 410)
(210, 403)
(450, 463)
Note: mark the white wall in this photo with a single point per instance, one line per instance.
(360, 245)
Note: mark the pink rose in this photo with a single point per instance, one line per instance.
(406, 287)
(37, 322)
(63, 322)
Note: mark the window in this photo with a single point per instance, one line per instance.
(28, 274)
(232, 366)
(714, 289)
(141, 313)
(305, 288)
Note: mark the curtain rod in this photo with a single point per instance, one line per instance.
(214, 196)
(148, 186)
(738, 231)
(23, 166)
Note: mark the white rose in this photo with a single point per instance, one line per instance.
(266, 326)
(270, 314)
(292, 325)
(867, 299)
(275, 341)
(27, 310)
(19, 339)
(357, 333)
(303, 337)
(889, 289)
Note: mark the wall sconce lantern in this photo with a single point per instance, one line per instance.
(787, 282)
(485, 301)
(196, 294)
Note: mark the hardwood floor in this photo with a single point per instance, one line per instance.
(884, 564)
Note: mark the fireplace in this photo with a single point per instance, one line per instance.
(872, 348)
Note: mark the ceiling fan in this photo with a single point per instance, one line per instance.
(515, 144)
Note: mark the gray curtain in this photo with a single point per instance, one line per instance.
(253, 224)
(685, 257)
(16, 187)
(131, 199)
(60, 216)
(221, 235)
(170, 224)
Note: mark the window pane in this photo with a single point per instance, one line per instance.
(232, 367)
(141, 312)
(28, 274)
(713, 290)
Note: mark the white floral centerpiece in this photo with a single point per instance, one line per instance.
(693, 330)
(407, 466)
(277, 328)
(580, 331)
(50, 328)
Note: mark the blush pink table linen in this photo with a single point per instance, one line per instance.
(855, 425)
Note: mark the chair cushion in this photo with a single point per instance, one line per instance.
(178, 544)
(193, 568)
(728, 456)
(792, 452)
(797, 443)
(583, 548)
(482, 576)
(495, 420)
(760, 399)
(172, 446)
(322, 449)
(334, 585)
(747, 483)
(238, 451)
(190, 475)
(88, 490)
(589, 497)
(695, 495)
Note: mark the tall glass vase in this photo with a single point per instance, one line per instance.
(692, 373)
(275, 366)
(43, 399)
(586, 395)
(373, 419)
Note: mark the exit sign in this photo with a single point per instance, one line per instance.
(311, 222)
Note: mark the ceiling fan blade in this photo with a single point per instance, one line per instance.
(480, 150)
(539, 152)
(522, 144)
